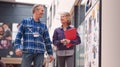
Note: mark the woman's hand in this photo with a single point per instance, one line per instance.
(67, 41)
(63, 41)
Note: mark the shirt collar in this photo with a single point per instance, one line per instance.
(34, 20)
(68, 27)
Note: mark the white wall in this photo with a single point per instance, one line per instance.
(110, 33)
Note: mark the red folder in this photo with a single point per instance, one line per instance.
(71, 35)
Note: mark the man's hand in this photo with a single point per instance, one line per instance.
(18, 52)
(51, 58)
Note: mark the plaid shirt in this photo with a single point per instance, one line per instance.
(32, 44)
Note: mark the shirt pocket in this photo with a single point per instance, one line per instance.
(29, 29)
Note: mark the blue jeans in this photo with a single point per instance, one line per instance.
(28, 58)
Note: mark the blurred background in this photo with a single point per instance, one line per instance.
(97, 23)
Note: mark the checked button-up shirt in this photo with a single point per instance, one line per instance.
(33, 43)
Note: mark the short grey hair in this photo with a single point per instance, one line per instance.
(35, 7)
(68, 16)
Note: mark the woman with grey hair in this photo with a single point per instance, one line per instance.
(65, 55)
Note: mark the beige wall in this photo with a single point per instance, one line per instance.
(110, 33)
